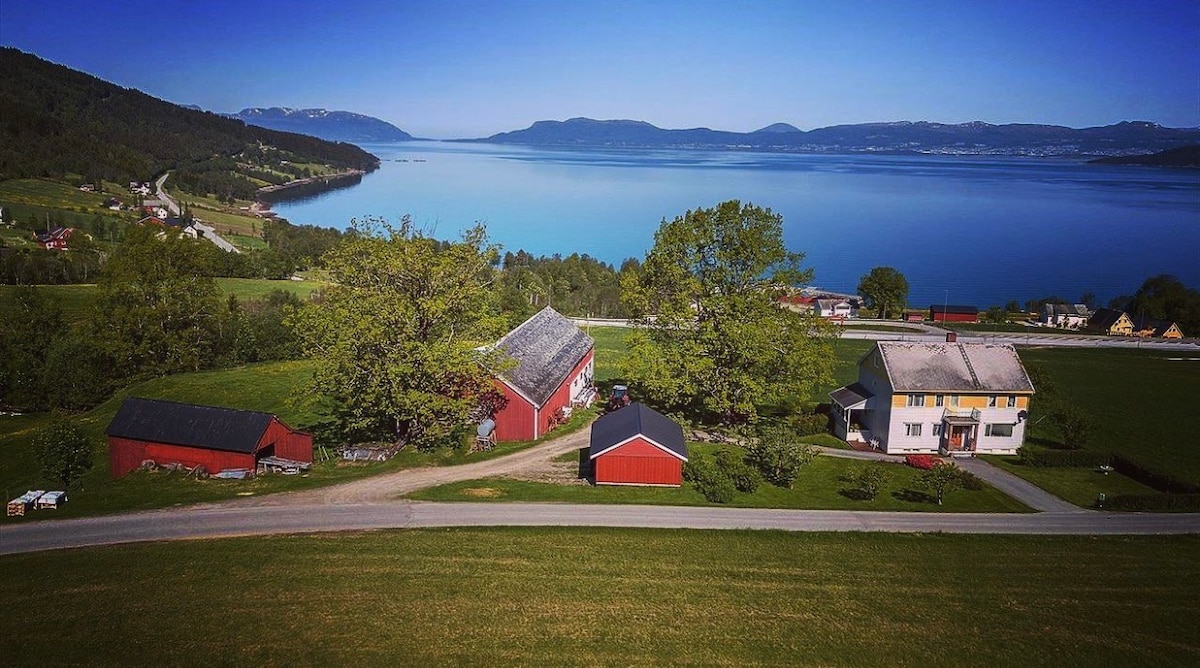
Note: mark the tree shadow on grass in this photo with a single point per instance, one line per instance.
(855, 494)
(913, 496)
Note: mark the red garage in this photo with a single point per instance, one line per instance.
(953, 313)
(218, 439)
(637, 445)
(553, 373)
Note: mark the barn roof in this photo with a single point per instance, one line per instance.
(968, 367)
(546, 348)
(194, 426)
(623, 424)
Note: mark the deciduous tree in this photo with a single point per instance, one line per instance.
(711, 340)
(63, 451)
(395, 338)
(940, 479)
(885, 290)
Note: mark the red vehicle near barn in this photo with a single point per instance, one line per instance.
(218, 439)
(553, 373)
(637, 445)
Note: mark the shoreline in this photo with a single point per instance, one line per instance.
(261, 207)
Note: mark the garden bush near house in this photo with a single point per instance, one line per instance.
(708, 479)
(870, 481)
(733, 464)
(1154, 502)
(777, 455)
(923, 462)
(969, 481)
(808, 423)
(941, 479)
(1163, 482)
(1046, 458)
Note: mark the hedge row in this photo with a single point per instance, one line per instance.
(1153, 502)
(1042, 458)
(1163, 482)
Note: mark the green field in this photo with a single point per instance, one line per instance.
(1143, 402)
(823, 485)
(559, 597)
(75, 298)
(1080, 486)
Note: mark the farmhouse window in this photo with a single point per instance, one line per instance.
(1012, 401)
(953, 399)
(939, 400)
(1000, 430)
(912, 428)
(916, 400)
(991, 401)
(937, 428)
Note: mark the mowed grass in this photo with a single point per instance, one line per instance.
(1080, 486)
(825, 484)
(566, 596)
(1143, 403)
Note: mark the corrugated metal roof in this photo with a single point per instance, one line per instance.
(195, 426)
(546, 348)
(633, 420)
(969, 367)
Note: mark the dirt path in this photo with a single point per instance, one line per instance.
(534, 461)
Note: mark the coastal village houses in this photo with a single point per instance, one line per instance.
(1064, 316)
(553, 373)
(949, 398)
(1111, 321)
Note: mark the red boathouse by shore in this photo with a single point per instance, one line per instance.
(219, 439)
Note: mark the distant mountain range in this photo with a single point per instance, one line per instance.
(977, 138)
(342, 126)
(1184, 156)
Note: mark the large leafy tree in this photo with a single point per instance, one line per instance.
(711, 340)
(63, 451)
(396, 337)
(1165, 296)
(159, 310)
(885, 290)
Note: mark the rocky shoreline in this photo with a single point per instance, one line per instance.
(300, 188)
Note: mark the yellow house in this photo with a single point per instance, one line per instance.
(1112, 322)
(952, 398)
(1163, 329)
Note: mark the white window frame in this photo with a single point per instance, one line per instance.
(989, 428)
(912, 429)
(954, 399)
(939, 400)
(916, 400)
(937, 429)
(992, 401)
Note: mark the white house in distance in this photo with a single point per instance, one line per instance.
(1065, 316)
(949, 398)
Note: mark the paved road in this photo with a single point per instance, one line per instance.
(214, 522)
(209, 232)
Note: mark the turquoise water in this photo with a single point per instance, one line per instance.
(971, 230)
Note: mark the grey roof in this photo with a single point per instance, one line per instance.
(965, 367)
(546, 348)
(851, 395)
(1105, 318)
(637, 419)
(195, 426)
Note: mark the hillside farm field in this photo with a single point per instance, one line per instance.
(555, 596)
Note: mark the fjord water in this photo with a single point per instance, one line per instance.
(964, 229)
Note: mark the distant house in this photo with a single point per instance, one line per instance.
(953, 313)
(151, 220)
(952, 398)
(914, 316)
(1064, 316)
(798, 303)
(1110, 321)
(1155, 328)
(186, 227)
(55, 239)
(637, 445)
(218, 439)
(554, 370)
(834, 308)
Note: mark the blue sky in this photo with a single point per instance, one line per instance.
(469, 69)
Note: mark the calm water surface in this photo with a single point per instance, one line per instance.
(972, 230)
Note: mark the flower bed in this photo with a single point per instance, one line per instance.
(924, 462)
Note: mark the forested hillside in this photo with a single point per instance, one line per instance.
(58, 122)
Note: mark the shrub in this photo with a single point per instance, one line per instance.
(1043, 458)
(744, 477)
(1154, 502)
(1163, 482)
(778, 457)
(871, 480)
(708, 479)
(969, 481)
(940, 479)
(807, 424)
(923, 462)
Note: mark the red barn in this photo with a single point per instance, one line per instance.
(216, 438)
(637, 445)
(953, 313)
(555, 364)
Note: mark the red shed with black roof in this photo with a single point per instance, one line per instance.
(637, 445)
(218, 439)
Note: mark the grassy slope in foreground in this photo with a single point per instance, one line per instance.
(550, 596)
(823, 485)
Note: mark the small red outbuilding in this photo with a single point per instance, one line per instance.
(637, 445)
(167, 432)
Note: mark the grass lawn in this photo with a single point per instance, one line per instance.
(1143, 402)
(986, 327)
(566, 596)
(822, 485)
(1080, 486)
(610, 351)
(881, 328)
